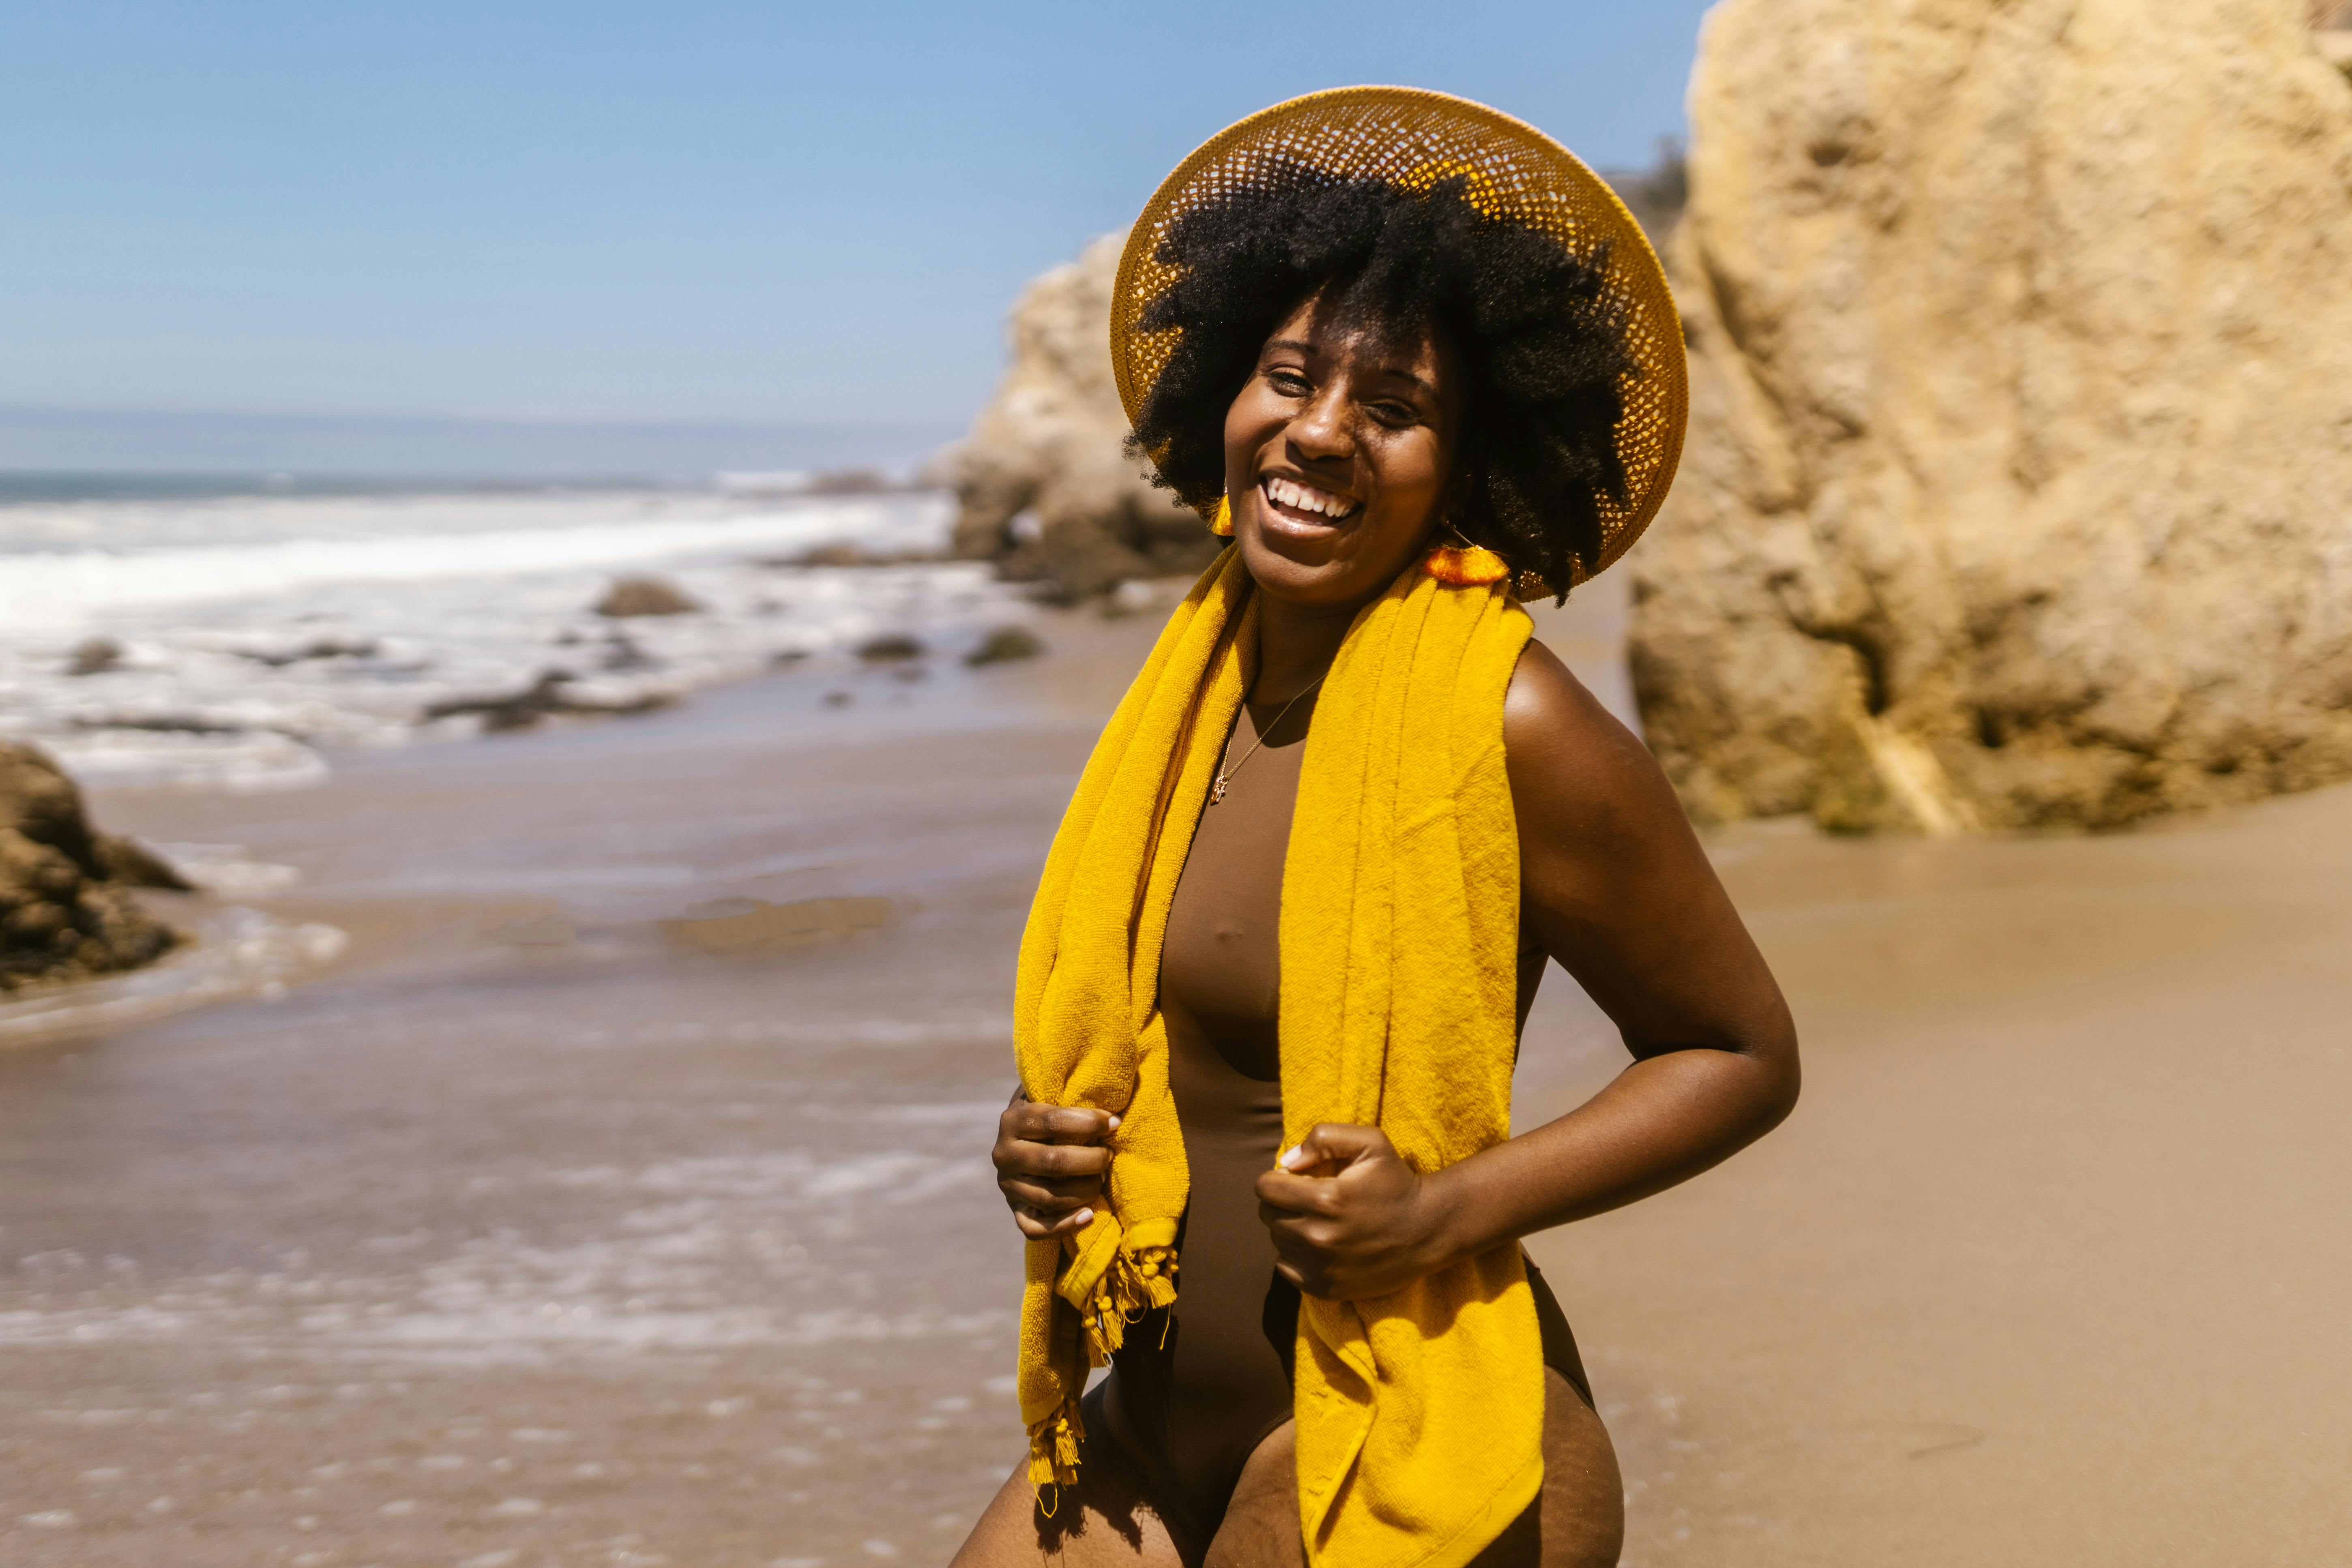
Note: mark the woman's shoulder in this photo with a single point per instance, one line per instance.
(1574, 766)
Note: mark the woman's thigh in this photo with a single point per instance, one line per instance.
(1104, 1521)
(1578, 1522)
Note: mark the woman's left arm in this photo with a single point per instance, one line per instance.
(1615, 887)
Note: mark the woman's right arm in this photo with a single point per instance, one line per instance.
(1050, 1162)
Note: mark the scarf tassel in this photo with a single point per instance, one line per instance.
(1053, 1447)
(1132, 1286)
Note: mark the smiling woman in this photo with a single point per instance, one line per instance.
(1524, 331)
(1417, 362)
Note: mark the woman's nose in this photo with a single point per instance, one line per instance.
(1322, 428)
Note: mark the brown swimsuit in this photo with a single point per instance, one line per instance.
(1190, 1400)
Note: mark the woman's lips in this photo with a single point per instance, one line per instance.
(1300, 510)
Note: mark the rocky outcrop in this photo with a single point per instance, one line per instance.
(65, 909)
(1654, 195)
(2335, 45)
(1044, 486)
(2019, 490)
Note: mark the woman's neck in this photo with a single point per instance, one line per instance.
(1295, 644)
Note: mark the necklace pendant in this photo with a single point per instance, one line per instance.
(1217, 789)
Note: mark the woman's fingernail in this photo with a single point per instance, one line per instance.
(1292, 1158)
(1084, 1217)
(1114, 1123)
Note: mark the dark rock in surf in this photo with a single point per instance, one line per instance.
(317, 647)
(1003, 643)
(544, 697)
(631, 596)
(95, 655)
(133, 865)
(889, 648)
(66, 911)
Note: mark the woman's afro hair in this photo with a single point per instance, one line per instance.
(1540, 341)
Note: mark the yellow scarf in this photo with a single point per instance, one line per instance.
(1420, 1414)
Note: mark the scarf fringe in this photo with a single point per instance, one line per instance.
(1136, 1282)
(1132, 1286)
(1053, 1447)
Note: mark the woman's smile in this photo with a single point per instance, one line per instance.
(1303, 510)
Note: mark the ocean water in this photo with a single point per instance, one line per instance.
(255, 635)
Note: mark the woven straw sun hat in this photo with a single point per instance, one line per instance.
(1412, 138)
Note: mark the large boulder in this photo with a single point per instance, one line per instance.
(65, 909)
(1043, 484)
(2019, 482)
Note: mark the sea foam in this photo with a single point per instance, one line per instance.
(246, 639)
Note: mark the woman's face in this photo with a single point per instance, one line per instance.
(1338, 452)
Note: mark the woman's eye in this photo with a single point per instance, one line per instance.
(1392, 414)
(1288, 383)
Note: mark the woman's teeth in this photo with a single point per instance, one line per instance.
(1307, 498)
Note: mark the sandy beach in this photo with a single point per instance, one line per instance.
(585, 1210)
(2049, 1266)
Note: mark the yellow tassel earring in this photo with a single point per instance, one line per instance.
(1464, 566)
(1221, 521)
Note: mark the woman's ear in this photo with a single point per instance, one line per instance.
(1441, 526)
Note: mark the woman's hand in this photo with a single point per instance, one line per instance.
(1350, 1218)
(1050, 1165)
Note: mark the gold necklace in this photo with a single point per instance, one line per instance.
(1225, 771)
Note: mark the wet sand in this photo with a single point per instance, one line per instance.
(537, 1227)
(553, 1227)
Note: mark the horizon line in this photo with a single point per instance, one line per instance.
(43, 413)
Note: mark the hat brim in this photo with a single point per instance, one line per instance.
(1411, 137)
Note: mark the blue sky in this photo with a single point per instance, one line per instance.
(688, 212)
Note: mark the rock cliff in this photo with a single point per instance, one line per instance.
(1043, 485)
(66, 911)
(2019, 490)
